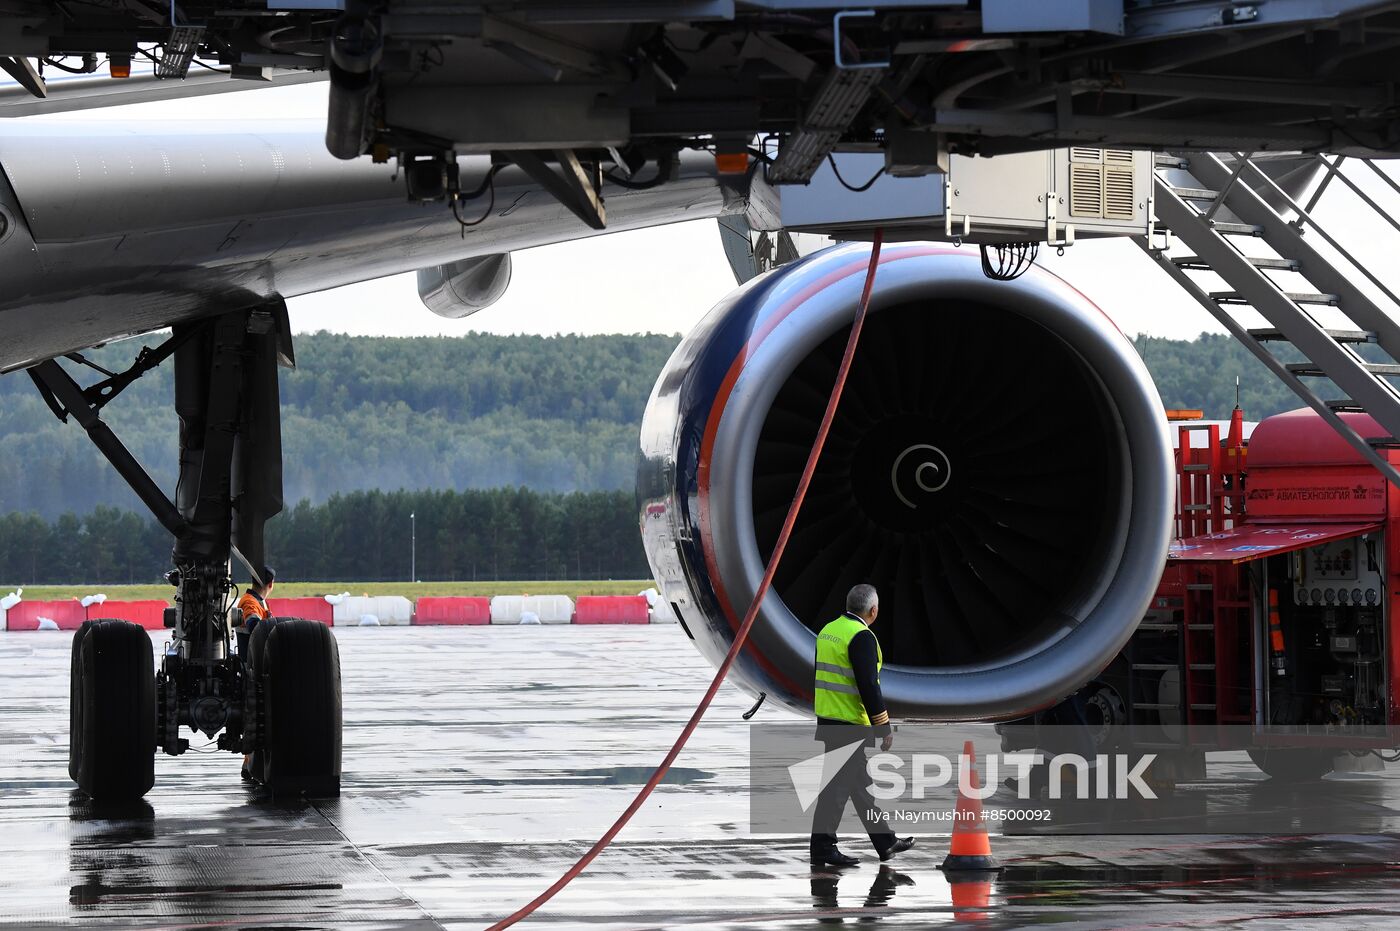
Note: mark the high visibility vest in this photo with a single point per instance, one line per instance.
(835, 695)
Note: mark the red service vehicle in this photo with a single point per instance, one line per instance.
(1274, 627)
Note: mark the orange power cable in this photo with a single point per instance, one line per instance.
(752, 614)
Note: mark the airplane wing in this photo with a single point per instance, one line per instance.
(110, 229)
(66, 93)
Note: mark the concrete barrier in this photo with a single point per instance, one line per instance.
(602, 609)
(452, 611)
(310, 609)
(550, 609)
(68, 615)
(149, 614)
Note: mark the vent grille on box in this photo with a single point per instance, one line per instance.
(1084, 154)
(1085, 191)
(1118, 199)
(1118, 156)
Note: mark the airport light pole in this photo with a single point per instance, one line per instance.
(413, 559)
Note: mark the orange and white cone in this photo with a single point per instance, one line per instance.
(971, 848)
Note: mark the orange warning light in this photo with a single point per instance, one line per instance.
(119, 69)
(1182, 414)
(731, 163)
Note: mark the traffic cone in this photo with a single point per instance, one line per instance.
(971, 848)
(972, 895)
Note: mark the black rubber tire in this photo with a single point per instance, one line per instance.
(75, 705)
(253, 666)
(1293, 765)
(117, 734)
(300, 669)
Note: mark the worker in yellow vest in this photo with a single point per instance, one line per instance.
(850, 708)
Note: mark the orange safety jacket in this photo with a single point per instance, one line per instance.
(253, 607)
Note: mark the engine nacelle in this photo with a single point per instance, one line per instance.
(999, 468)
(459, 289)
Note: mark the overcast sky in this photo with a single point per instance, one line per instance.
(658, 280)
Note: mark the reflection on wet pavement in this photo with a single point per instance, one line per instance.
(480, 762)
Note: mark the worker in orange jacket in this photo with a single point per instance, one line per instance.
(253, 605)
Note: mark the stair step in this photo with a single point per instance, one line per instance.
(1203, 706)
(1236, 229)
(1200, 587)
(1199, 264)
(1345, 404)
(1383, 442)
(1196, 507)
(1195, 193)
(1198, 467)
(1297, 297)
(1161, 160)
(1155, 706)
(1341, 336)
(1202, 626)
(1375, 368)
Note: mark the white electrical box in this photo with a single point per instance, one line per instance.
(1052, 197)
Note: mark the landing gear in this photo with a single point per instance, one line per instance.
(230, 485)
(111, 750)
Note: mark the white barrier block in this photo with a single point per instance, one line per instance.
(348, 611)
(393, 610)
(47, 623)
(369, 620)
(550, 609)
(506, 609)
(3, 612)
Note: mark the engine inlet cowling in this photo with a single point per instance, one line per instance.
(999, 468)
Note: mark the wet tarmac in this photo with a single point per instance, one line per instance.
(480, 762)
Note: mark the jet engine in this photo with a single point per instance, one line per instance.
(999, 468)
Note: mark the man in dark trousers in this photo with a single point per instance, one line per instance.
(850, 709)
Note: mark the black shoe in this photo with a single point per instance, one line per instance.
(247, 776)
(835, 858)
(899, 846)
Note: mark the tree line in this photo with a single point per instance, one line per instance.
(550, 413)
(470, 535)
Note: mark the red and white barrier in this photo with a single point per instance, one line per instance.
(350, 611)
(149, 614)
(603, 609)
(68, 615)
(311, 609)
(452, 611)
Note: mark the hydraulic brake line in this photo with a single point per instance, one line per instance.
(742, 634)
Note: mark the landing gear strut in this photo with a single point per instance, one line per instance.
(284, 704)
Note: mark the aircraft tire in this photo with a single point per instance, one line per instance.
(1292, 765)
(254, 692)
(115, 723)
(301, 697)
(75, 705)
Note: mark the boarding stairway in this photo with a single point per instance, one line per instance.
(1216, 207)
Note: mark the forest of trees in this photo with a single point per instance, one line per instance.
(549, 413)
(536, 437)
(362, 536)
